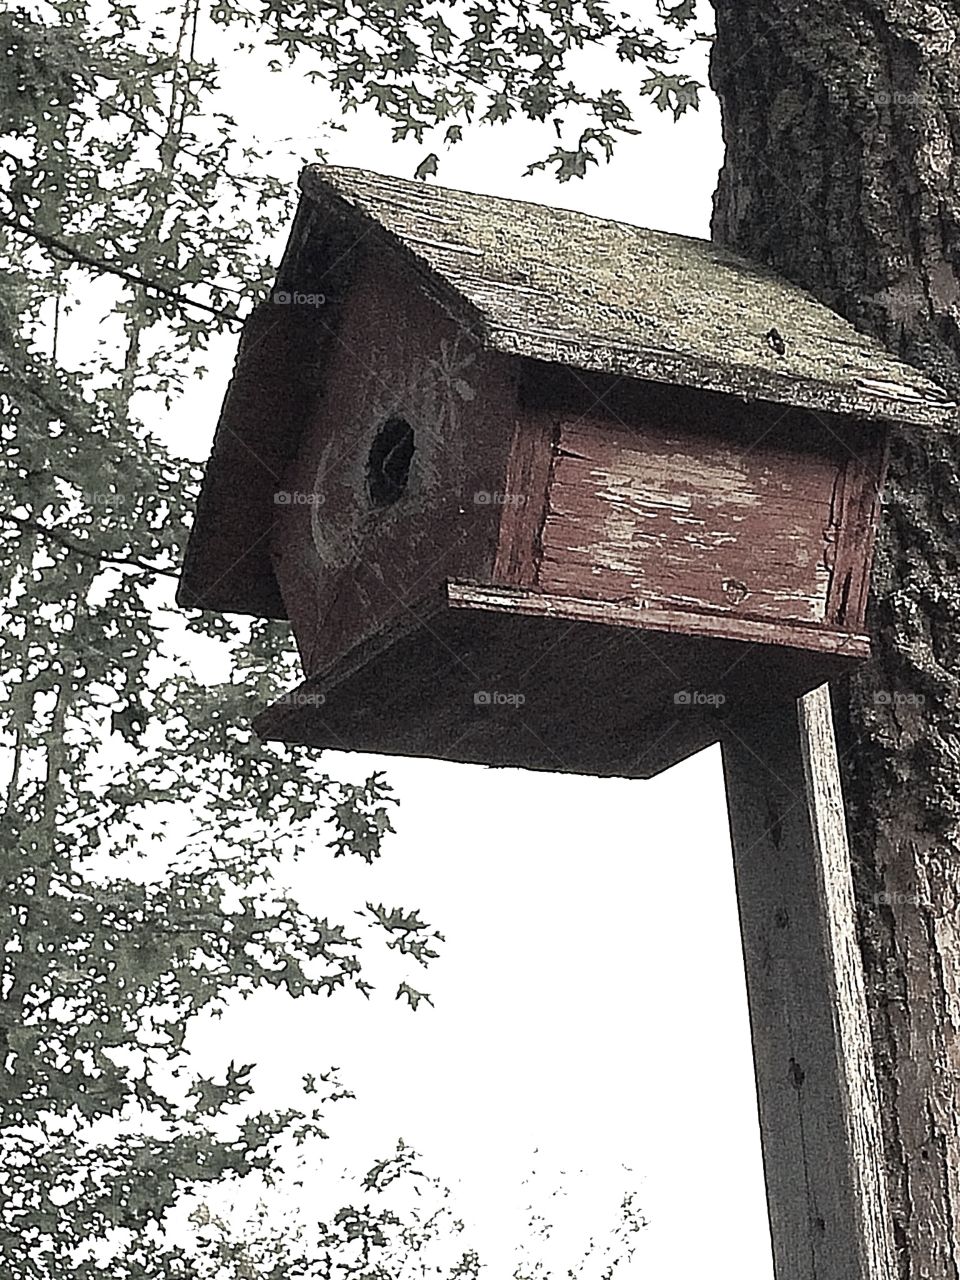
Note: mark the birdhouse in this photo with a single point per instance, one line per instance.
(540, 489)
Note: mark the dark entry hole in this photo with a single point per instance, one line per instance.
(388, 467)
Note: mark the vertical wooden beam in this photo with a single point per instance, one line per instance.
(816, 1086)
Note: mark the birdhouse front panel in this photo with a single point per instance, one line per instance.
(540, 489)
(392, 490)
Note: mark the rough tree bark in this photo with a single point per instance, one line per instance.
(842, 127)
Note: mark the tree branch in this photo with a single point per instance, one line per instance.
(132, 562)
(56, 245)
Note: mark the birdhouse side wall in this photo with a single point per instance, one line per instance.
(698, 504)
(398, 482)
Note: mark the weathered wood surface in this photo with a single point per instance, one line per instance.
(677, 621)
(347, 565)
(532, 458)
(595, 294)
(664, 496)
(858, 507)
(516, 678)
(362, 323)
(819, 1114)
(277, 377)
(681, 517)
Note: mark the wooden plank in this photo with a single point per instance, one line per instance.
(525, 509)
(858, 503)
(816, 1087)
(669, 514)
(568, 288)
(471, 595)
(635, 701)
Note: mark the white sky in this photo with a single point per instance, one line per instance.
(590, 999)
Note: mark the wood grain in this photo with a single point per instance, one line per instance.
(575, 687)
(348, 567)
(759, 631)
(596, 294)
(520, 545)
(817, 1092)
(682, 517)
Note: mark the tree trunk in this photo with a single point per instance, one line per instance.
(842, 170)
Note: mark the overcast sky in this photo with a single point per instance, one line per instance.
(590, 998)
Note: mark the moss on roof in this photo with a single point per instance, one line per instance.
(562, 286)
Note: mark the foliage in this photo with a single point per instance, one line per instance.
(401, 1223)
(432, 67)
(144, 826)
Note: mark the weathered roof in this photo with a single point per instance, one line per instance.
(563, 286)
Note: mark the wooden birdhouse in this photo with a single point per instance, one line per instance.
(540, 489)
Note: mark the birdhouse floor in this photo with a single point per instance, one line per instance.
(521, 679)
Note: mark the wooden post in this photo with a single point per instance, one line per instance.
(816, 1086)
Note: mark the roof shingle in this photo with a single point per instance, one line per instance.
(606, 296)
